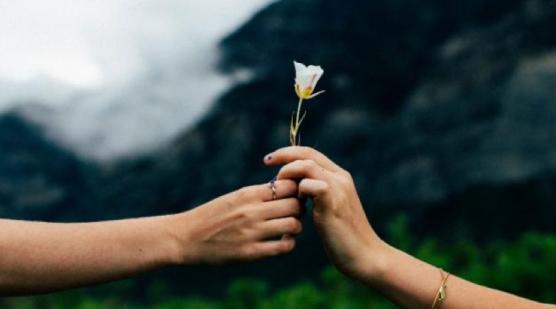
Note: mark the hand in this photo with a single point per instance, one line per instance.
(348, 238)
(356, 250)
(240, 226)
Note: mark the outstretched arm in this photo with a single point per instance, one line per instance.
(38, 257)
(355, 248)
(41, 257)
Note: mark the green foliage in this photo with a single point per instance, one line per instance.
(525, 267)
(246, 293)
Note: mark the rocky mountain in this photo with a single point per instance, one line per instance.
(427, 103)
(37, 179)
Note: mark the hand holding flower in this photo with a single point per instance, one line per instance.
(339, 217)
(356, 249)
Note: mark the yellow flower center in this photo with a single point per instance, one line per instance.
(307, 92)
(303, 93)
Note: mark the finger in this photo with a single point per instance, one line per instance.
(303, 169)
(287, 236)
(278, 227)
(273, 247)
(263, 193)
(312, 188)
(290, 207)
(294, 153)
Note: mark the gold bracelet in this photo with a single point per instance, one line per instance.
(441, 295)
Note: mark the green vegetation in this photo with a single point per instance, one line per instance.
(525, 267)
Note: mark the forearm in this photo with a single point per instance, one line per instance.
(356, 250)
(37, 257)
(412, 283)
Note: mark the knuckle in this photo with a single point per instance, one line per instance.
(295, 206)
(308, 164)
(307, 151)
(243, 193)
(324, 188)
(289, 184)
(293, 225)
(293, 165)
(299, 164)
(345, 180)
(286, 245)
(345, 173)
(286, 168)
(249, 252)
(290, 223)
(251, 214)
(248, 233)
(299, 228)
(246, 213)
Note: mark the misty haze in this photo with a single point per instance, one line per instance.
(112, 79)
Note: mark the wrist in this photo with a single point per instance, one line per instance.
(376, 262)
(179, 243)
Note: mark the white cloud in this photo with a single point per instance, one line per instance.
(119, 76)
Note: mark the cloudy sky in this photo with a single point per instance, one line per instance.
(113, 78)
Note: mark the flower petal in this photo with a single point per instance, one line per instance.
(316, 72)
(299, 67)
(307, 77)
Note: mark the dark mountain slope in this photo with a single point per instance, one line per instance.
(471, 105)
(37, 179)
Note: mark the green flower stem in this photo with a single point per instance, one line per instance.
(297, 123)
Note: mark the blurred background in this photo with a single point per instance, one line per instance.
(444, 111)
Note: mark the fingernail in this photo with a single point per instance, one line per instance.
(268, 158)
(273, 180)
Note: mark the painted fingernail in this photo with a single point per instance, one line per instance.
(273, 180)
(268, 158)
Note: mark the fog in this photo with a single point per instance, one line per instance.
(114, 78)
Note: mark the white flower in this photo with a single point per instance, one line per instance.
(306, 79)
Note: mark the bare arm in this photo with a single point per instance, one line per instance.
(38, 257)
(355, 248)
(412, 283)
